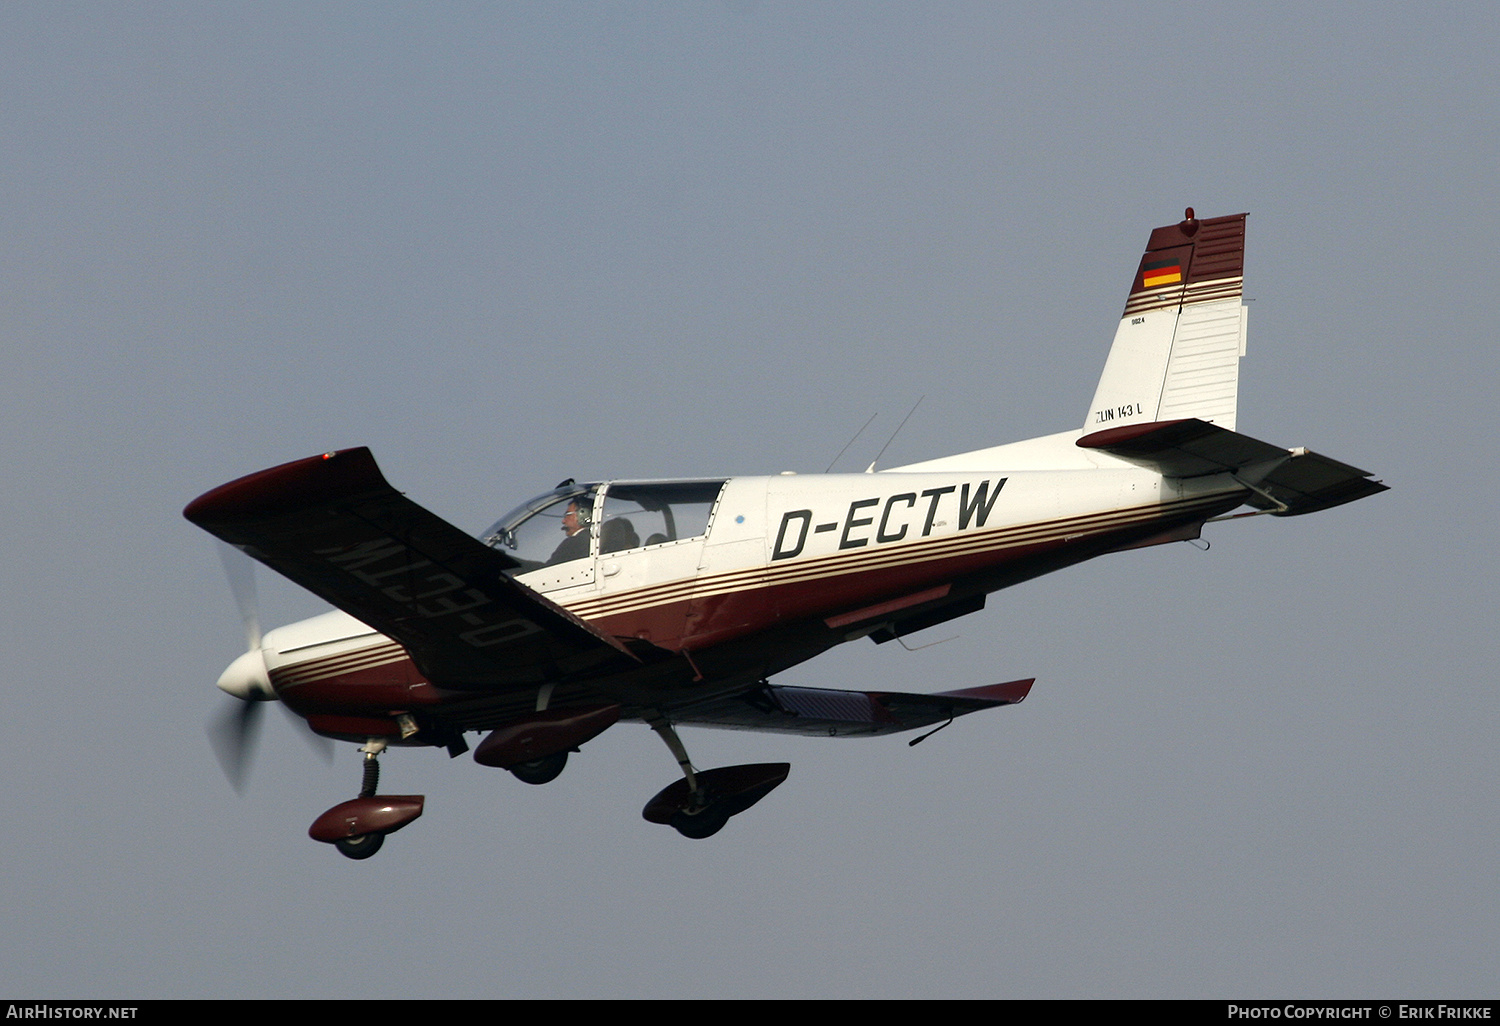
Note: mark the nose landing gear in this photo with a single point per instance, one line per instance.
(359, 847)
(357, 828)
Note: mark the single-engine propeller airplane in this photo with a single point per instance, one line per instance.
(676, 602)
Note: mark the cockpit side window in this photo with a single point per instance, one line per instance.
(643, 515)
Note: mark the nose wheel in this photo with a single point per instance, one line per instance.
(357, 828)
(361, 847)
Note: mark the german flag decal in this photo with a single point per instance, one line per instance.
(1166, 271)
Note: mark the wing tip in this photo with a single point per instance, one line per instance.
(1009, 693)
(290, 485)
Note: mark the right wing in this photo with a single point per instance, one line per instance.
(334, 525)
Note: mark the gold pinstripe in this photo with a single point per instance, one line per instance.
(381, 654)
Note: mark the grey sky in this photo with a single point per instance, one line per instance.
(504, 244)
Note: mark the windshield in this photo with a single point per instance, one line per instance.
(551, 528)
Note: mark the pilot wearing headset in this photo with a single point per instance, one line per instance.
(575, 524)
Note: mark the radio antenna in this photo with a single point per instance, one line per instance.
(871, 468)
(852, 441)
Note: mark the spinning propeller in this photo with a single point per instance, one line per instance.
(234, 734)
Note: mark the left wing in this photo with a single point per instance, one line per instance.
(822, 712)
(334, 525)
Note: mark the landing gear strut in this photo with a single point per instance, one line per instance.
(357, 828)
(362, 846)
(699, 805)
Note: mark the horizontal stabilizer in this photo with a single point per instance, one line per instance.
(1288, 482)
(825, 712)
(1183, 448)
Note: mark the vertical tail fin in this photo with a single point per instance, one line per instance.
(1176, 353)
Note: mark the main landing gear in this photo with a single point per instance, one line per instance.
(701, 803)
(357, 828)
(535, 749)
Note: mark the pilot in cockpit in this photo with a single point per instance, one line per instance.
(575, 524)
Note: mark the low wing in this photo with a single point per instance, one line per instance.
(820, 712)
(1294, 481)
(335, 526)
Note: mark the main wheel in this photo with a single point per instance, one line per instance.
(361, 847)
(698, 825)
(541, 771)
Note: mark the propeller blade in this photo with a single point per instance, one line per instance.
(240, 569)
(235, 733)
(233, 736)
